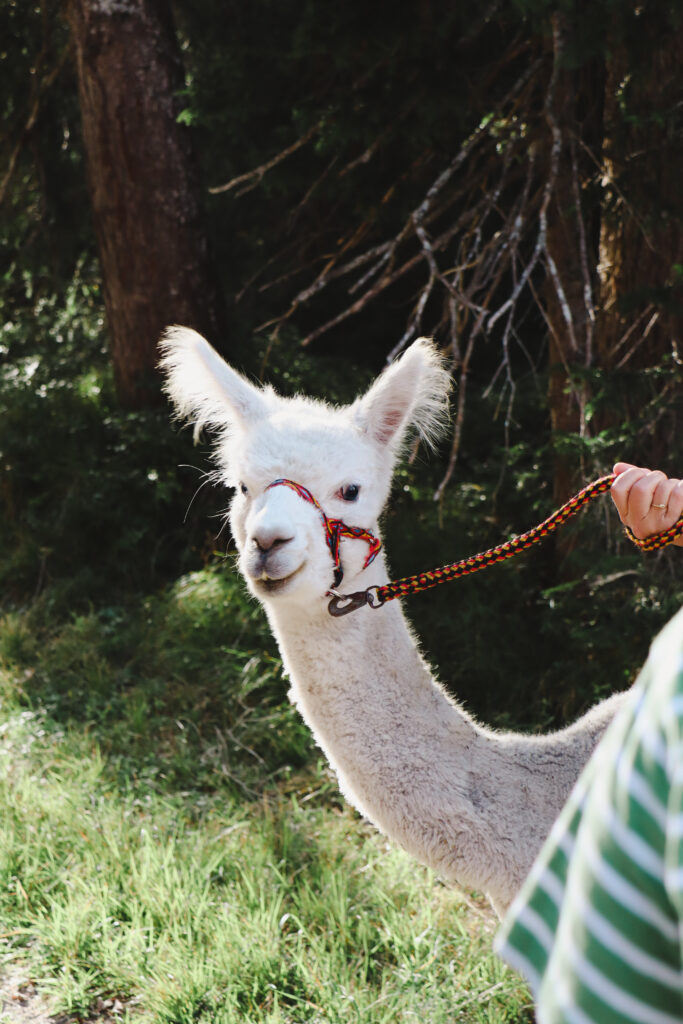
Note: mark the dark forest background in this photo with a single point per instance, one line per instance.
(312, 186)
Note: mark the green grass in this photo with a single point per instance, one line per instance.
(170, 839)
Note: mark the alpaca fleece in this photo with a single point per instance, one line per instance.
(472, 803)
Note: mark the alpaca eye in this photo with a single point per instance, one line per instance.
(350, 492)
(244, 489)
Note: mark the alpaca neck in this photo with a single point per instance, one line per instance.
(405, 754)
(368, 661)
(474, 805)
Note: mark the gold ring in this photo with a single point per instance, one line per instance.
(658, 506)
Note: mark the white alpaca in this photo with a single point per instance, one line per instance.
(473, 804)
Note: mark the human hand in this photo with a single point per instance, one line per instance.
(647, 501)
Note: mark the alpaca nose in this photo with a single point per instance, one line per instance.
(267, 540)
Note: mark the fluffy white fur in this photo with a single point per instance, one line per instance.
(473, 804)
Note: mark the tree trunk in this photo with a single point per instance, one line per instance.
(632, 261)
(572, 114)
(641, 239)
(143, 182)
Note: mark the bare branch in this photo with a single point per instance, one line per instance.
(256, 175)
(296, 213)
(413, 328)
(583, 256)
(433, 205)
(459, 419)
(39, 95)
(367, 154)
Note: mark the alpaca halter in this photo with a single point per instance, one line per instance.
(335, 529)
(376, 596)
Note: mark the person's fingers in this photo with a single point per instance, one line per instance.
(621, 467)
(622, 486)
(660, 515)
(676, 508)
(647, 501)
(641, 517)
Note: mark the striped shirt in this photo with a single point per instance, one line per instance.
(597, 928)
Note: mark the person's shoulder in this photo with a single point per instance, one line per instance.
(661, 684)
(666, 653)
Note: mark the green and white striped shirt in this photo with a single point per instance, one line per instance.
(597, 928)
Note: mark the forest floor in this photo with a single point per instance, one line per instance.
(21, 1002)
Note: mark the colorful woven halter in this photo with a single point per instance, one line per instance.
(376, 596)
(335, 529)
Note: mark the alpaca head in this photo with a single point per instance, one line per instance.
(343, 456)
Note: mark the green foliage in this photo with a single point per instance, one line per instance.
(171, 841)
(169, 836)
(90, 495)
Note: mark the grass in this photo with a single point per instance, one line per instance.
(170, 839)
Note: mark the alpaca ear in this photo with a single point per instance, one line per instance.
(202, 386)
(412, 391)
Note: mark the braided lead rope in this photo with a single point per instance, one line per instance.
(376, 596)
(335, 529)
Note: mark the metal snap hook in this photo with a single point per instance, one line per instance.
(342, 604)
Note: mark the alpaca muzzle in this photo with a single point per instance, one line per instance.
(335, 529)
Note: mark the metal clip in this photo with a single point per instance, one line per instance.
(342, 604)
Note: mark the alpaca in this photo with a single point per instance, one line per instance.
(473, 804)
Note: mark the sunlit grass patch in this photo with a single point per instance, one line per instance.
(170, 844)
(215, 909)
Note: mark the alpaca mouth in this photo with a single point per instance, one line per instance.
(268, 585)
